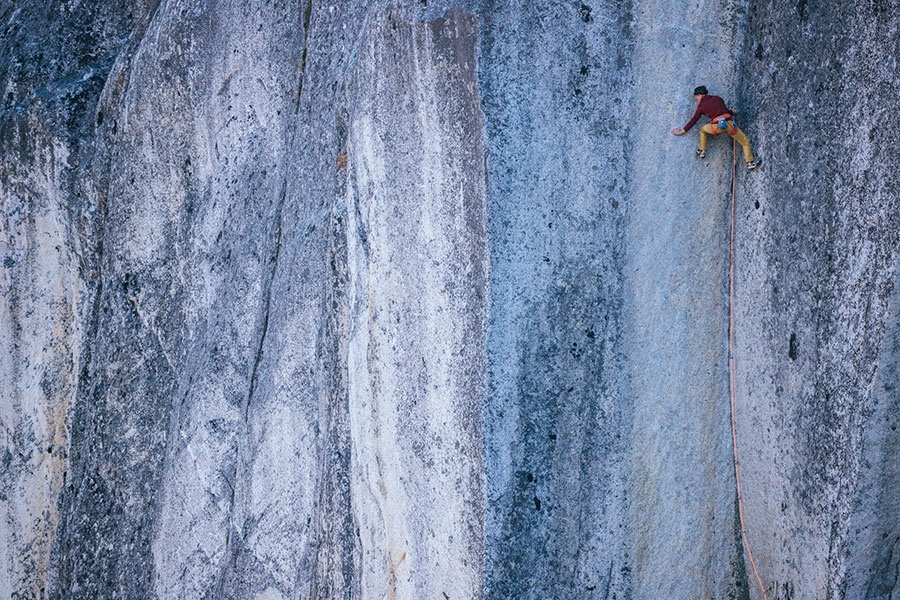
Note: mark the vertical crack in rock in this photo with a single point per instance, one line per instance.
(273, 259)
(247, 254)
(676, 292)
(231, 582)
(336, 567)
(237, 532)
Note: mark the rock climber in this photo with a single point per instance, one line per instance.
(721, 121)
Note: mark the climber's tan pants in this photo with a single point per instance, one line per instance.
(733, 130)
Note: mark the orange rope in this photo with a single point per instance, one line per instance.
(737, 471)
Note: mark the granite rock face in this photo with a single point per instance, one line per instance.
(422, 300)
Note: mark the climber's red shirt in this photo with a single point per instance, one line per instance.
(711, 106)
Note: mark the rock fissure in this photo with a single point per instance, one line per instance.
(421, 299)
(245, 450)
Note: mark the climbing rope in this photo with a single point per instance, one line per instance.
(737, 470)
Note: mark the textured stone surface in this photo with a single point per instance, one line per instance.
(817, 254)
(556, 425)
(422, 300)
(675, 335)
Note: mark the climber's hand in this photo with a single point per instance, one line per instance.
(678, 131)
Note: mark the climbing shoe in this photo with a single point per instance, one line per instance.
(701, 153)
(753, 164)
